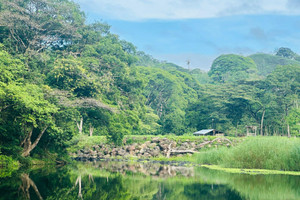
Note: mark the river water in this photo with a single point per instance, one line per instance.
(124, 180)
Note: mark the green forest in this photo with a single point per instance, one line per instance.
(61, 77)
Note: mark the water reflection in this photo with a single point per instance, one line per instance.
(119, 180)
(155, 170)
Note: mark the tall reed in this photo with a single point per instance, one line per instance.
(278, 153)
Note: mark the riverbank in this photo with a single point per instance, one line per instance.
(271, 153)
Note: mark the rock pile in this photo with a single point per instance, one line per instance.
(154, 148)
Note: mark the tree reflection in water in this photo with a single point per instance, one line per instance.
(26, 184)
(122, 181)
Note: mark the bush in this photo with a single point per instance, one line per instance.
(7, 166)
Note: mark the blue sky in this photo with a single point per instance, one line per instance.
(200, 30)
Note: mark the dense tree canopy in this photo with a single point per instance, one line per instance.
(232, 68)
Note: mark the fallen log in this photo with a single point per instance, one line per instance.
(170, 151)
(209, 142)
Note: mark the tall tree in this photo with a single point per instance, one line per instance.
(35, 25)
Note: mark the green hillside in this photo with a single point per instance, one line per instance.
(266, 63)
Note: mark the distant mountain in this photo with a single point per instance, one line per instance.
(266, 63)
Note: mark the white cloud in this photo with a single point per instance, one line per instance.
(136, 10)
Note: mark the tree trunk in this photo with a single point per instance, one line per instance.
(78, 181)
(91, 130)
(262, 123)
(288, 130)
(28, 146)
(79, 125)
(26, 184)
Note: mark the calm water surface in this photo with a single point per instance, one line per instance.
(121, 181)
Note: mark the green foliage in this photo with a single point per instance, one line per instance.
(7, 165)
(201, 76)
(293, 120)
(28, 20)
(232, 68)
(168, 93)
(116, 133)
(11, 69)
(79, 142)
(285, 52)
(69, 74)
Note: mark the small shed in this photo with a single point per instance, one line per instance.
(209, 132)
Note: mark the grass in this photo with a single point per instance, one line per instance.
(84, 142)
(277, 153)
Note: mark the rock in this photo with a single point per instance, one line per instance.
(96, 147)
(185, 144)
(114, 153)
(93, 152)
(147, 155)
(139, 147)
(155, 140)
(152, 145)
(142, 150)
(121, 152)
(130, 148)
(100, 155)
(156, 148)
(173, 145)
(163, 146)
(182, 148)
(155, 153)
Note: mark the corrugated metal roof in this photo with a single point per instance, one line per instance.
(203, 132)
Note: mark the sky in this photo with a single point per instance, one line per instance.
(200, 30)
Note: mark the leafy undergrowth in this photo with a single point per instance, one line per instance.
(83, 141)
(7, 166)
(276, 153)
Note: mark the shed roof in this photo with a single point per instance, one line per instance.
(203, 132)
